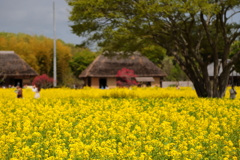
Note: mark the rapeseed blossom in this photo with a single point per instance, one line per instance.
(137, 123)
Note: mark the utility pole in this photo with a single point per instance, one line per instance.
(54, 50)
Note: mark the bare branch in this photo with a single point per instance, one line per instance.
(205, 25)
(232, 15)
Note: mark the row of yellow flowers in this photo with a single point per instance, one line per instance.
(87, 92)
(149, 123)
(134, 92)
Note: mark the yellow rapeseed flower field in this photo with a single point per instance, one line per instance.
(131, 124)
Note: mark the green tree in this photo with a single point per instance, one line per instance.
(81, 60)
(155, 54)
(173, 70)
(181, 27)
(235, 48)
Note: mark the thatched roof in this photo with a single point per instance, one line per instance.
(13, 65)
(103, 66)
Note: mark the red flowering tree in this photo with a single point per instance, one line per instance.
(43, 80)
(126, 77)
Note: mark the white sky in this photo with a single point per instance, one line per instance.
(35, 17)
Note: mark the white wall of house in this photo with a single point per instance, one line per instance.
(111, 82)
(180, 83)
(156, 82)
(95, 82)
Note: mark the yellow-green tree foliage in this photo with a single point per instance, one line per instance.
(37, 51)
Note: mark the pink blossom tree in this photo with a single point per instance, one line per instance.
(126, 77)
(43, 80)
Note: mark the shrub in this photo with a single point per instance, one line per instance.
(43, 80)
(126, 77)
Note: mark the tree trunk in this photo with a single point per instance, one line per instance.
(203, 91)
(204, 86)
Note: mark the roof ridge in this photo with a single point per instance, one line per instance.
(7, 52)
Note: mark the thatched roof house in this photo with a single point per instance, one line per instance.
(15, 70)
(102, 71)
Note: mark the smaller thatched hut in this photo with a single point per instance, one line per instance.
(14, 70)
(102, 71)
